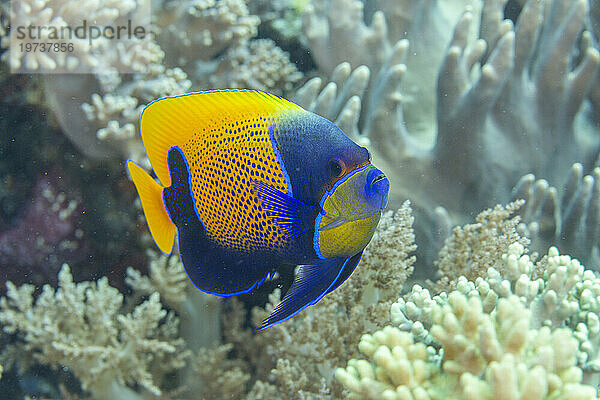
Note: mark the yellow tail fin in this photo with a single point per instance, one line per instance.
(150, 192)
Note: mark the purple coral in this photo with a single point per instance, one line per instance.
(47, 234)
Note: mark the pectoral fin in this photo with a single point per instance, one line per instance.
(351, 264)
(311, 284)
(293, 216)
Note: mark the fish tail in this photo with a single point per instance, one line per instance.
(161, 227)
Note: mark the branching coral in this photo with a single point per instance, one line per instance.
(557, 292)
(204, 28)
(259, 64)
(80, 327)
(222, 377)
(200, 312)
(473, 248)
(485, 356)
(507, 335)
(130, 54)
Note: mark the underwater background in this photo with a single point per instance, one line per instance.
(481, 281)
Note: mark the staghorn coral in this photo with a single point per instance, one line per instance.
(506, 334)
(470, 134)
(80, 327)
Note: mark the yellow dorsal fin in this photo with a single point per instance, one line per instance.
(172, 121)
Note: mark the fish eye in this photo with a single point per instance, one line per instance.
(336, 167)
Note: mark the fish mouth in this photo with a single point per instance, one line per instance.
(339, 221)
(378, 178)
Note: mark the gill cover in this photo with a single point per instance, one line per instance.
(351, 211)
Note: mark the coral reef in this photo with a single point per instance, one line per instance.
(506, 335)
(434, 90)
(515, 322)
(80, 327)
(469, 135)
(464, 104)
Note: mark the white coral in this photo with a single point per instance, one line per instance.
(484, 355)
(80, 327)
(566, 295)
(87, 55)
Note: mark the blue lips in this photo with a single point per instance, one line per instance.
(377, 188)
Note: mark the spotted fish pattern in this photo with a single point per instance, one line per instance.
(251, 182)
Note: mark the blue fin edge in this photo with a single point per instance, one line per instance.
(302, 284)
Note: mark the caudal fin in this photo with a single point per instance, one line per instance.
(151, 195)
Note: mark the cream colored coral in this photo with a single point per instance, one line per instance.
(200, 29)
(388, 246)
(80, 327)
(257, 64)
(471, 249)
(555, 300)
(401, 367)
(72, 13)
(166, 276)
(200, 312)
(485, 355)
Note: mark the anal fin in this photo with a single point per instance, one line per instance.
(348, 270)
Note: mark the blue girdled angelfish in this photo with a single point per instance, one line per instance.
(253, 182)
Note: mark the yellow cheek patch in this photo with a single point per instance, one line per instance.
(347, 239)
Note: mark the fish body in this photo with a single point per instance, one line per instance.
(252, 182)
